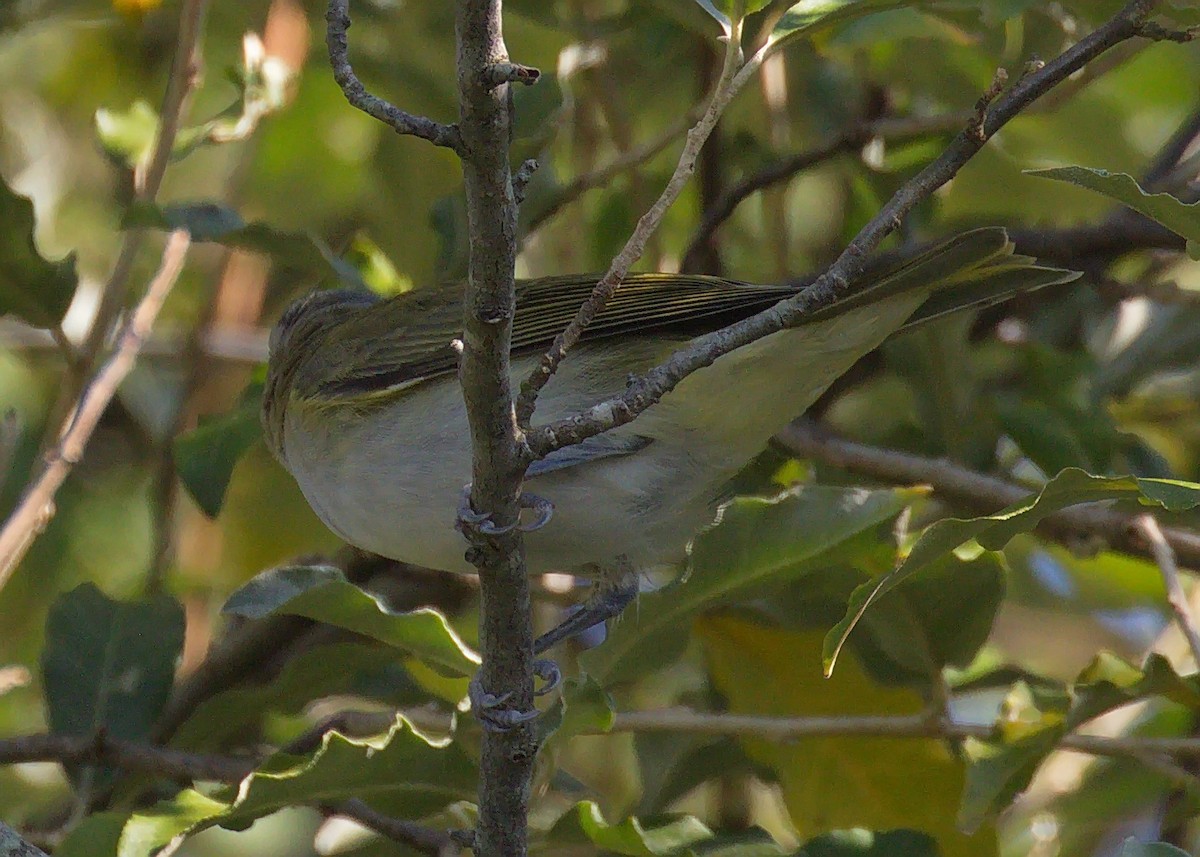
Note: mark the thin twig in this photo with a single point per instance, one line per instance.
(644, 391)
(420, 838)
(977, 492)
(402, 122)
(734, 75)
(685, 721)
(1164, 556)
(600, 176)
(103, 749)
(184, 76)
(37, 505)
(853, 138)
(888, 129)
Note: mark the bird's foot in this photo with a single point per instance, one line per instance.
(606, 601)
(489, 707)
(542, 508)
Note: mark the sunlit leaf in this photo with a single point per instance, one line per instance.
(1178, 216)
(1069, 488)
(415, 777)
(323, 593)
(754, 542)
(584, 823)
(808, 15)
(1033, 723)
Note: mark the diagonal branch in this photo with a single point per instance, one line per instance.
(990, 116)
(734, 74)
(978, 492)
(36, 508)
(400, 121)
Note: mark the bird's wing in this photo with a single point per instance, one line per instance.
(402, 341)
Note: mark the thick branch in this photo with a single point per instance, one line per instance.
(505, 622)
(36, 508)
(644, 391)
(978, 492)
(402, 122)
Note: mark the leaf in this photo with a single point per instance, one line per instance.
(1132, 848)
(808, 15)
(726, 10)
(1069, 488)
(205, 456)
(584, 823)
(1034, 721)
(754, 542)
(334, 669)
(31, 288)
(109, 665)
(583, 707)
(415, 778)
(128, 135)
(1178, 216)
(210, 221)
(832, 783)
(323, 593)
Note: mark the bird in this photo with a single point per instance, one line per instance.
(362, 406)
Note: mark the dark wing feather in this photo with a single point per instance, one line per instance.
(972, 269)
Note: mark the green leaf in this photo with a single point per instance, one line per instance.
(805, 17)
(335, 669)
(583, 707)
(1178, 216)
(1132, 848)
(205, 456)
(413, 776)
(128, 135)
(109, 665)
(1034, 721)
(837, 782)
(99, 833)
(210, 221)
(754, 542)
(1069, 488)
(584, 823)
(323, 593)
(31, 288)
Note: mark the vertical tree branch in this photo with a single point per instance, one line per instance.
(506, 629)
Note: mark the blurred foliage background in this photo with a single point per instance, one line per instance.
(1098, 375)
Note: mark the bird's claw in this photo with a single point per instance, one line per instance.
(548, 671)
(487, 706)
(488, 711)
(483, 523)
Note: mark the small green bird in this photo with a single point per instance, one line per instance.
(362, 404)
